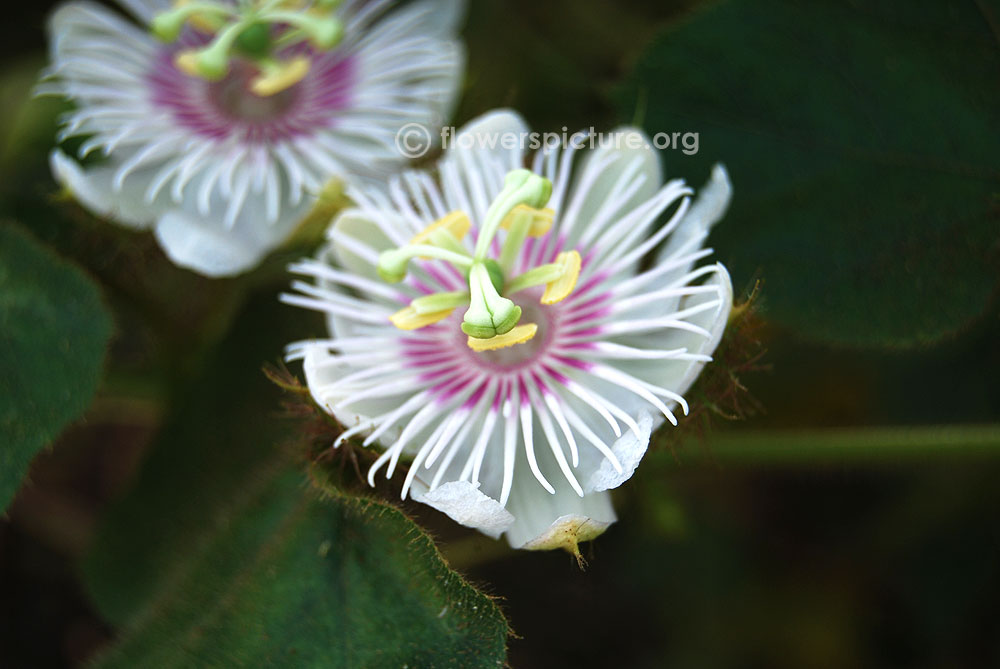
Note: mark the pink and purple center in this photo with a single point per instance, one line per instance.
(453, 369)
(228, 108)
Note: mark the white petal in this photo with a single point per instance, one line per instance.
(409, 69)
(205, 244)
(544, 520)
(629, 449)
(93, 188)
(78, 20)
(626, 150)
(437, 18)
(465, 504)
(715, 323)
(192, 242)
(481, 132)
(320, 374)
(708, 209)
(678, 375)
(322, 370)
(355, 239)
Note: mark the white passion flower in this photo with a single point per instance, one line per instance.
(517, 333)
(220, 121)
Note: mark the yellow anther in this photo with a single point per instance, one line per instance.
(518, 335)
(277, 78)
(187, 62)
(541, 219)
(457, 223)
(409, 319)
(557, 290)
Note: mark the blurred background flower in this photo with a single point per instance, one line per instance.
(221, 167)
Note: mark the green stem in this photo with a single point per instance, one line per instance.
(846, 445)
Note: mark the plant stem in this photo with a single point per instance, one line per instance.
(846, 445)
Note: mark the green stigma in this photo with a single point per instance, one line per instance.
(491, 320)
(257, 31)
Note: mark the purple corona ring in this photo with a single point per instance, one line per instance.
(224, 110)
(218, 129)
(517, 327)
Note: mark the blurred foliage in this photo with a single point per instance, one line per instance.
(554, 61)
(805, 566)
(54, 331)
(862, 142)
(221, 428)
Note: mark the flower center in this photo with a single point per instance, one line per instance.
(258, 32)
(491, 320)
(234, 98)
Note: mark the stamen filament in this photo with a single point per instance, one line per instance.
(324, 31)
(212, 62)
(290, 38)
(392, 263)
(167, 26)
(519, 223)
(444, 239)
(538, 276)
(439, 301)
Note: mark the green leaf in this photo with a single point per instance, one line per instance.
(294, 580)
(861, 140)
(54, 331)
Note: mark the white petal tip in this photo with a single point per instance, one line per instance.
(466, 504)
(629, 450)
(194, 243)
